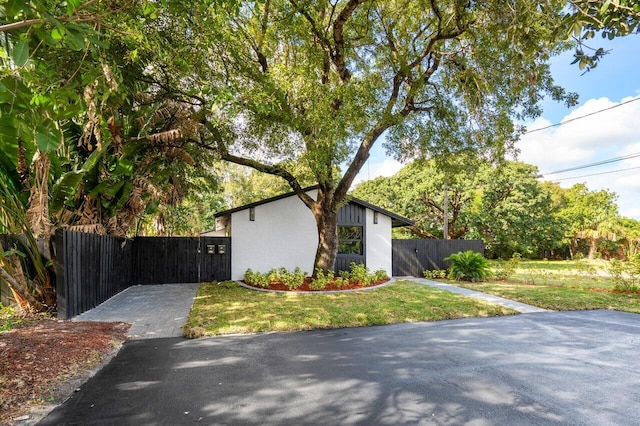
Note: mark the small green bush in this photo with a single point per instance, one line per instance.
(360, 274)
(504, 269)
(257, 279)
(292, 280)
(435, 274)
(341, 282)
(8, 318)
(625, 275)
(380, 275)
(321, 280)
(468, 266)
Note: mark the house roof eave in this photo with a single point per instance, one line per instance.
(396, 219)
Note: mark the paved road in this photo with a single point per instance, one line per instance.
(531, 369)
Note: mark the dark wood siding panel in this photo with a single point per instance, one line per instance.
(351, 214)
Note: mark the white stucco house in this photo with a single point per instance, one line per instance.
(281, 232)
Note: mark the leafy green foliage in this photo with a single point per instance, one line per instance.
(625, 275)
(468, 266)
(293, 279)
(8, 318)
(257, 278)
(609, 18)
(321, 279)
(504, 269)
(503, 205)
(359, 273)
(435, 273)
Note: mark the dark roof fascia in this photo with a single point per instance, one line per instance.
(261, 202)
(396, 220)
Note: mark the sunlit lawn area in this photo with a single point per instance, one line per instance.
(227, 308)
(579, 274)
(561, 285)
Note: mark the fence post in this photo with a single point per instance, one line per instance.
(61, 282)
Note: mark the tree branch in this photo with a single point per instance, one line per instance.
(274, 170)
(38, 21)
(338, 38)
(422, 233)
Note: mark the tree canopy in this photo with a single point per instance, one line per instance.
(281, 82)
(112, 110)
(508, 208)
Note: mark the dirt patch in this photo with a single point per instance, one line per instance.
(44, 361)
(306, 286)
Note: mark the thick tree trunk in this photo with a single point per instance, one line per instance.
(327, 251)
(593, 248)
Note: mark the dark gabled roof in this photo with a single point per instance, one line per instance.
(396, 220)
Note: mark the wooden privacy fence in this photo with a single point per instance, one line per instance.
(163, 260)
(92, 268)
(413, 257)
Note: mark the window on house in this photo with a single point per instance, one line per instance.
(350, 240)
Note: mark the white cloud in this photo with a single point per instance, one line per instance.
(601, 136)
(371, 170)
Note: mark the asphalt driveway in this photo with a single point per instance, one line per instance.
(546, 368)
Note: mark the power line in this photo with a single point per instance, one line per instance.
(598, 163)
(597, 174)
(582, 116)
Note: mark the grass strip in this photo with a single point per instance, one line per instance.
(227, 308)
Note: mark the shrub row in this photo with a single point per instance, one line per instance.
(358, 274)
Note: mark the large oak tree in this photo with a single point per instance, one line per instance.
(322, 82)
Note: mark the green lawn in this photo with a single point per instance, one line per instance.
(579, 274)
(559, 297)
(227, 308)
(562, 286)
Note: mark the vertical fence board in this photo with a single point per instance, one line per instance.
(413, 257)
(90, 269)
(162, 260)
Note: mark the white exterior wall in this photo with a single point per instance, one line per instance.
(378, 242)
(284, 234)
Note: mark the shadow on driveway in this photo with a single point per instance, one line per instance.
(549, 368)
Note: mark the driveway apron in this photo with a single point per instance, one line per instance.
(553, 368)
(154, 311)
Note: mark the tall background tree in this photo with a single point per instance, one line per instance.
(504, 205)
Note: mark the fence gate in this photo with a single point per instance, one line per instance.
(164, 260)
(413, 257)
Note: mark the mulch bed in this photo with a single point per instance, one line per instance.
(43, 361)
(305, 287)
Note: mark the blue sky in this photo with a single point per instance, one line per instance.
(604, 135)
